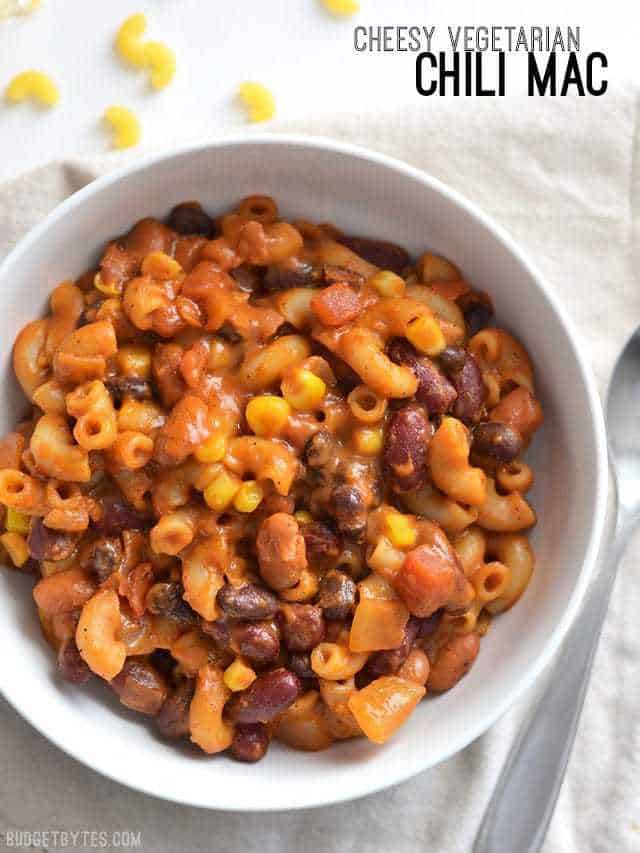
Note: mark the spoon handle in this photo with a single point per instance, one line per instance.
(523, 801)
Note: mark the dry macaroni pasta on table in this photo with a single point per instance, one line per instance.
(271, 480)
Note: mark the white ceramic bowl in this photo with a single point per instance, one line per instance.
(362, 193)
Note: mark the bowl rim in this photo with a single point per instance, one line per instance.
(368, 783)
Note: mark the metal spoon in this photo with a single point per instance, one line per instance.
(522, 804)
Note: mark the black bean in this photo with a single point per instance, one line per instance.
(166, 599)
(173, 719)
(189, 218)
(387, 256)
(129, 386)
(477, 309)
(348, 507)
(498, 440)
(70, 664)
(302, 626)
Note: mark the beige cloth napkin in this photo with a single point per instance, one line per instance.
(563, 176)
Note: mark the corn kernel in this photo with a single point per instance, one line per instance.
(238, 676)
(387, 283)
(400, 530)
(125, 125)
(32, 85)
(426, 335)
(134, 360)
(368, 440)
(160, 266)
(303, 389)
(129, 42)
(267, 415)
(258, 100)
(303, 517)
(213, 449)
(16, 547)
(221, 491)
(162, 63)
(108, 289)
(341, 8)
(17, 522)
(248, 497)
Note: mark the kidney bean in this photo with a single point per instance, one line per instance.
(435, 391)
(70, 664)
(453, 661)
(104, 557)
(347, 506)
(268, 696)
(148, 235)
(337, 595)
(117, 265)
(431, 576)
(388, 662)
(332, 274)
(387, 256)
(300, 664)
(247, 602)
(259, 642)
(140, 687)
(250, 742)
(471, 390)
(117, 516)
(452, 359)
(220, 633)
(189, 218)
(498, 440)
(302, 626)
(47, 544)
(292, 272)
(416, 667)
(165, 599)
(405, 451)
(320, 541)
(281, 551)
(173, 718)
(129, 386)
(477, 309)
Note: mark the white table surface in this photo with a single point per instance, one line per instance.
(293, 46)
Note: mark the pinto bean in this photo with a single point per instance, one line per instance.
(268, 696)
(166, 599)
(259, 642)
(141, 687)
(63, 592)
(405, 452)
(416, 667)
(71, 666)
(117, 265)
(435, 391)
(302, 626)
(189, 218)
(281, 551)
(498, 440)
(319, 450)
(331, 274)
(148, 235)
(431, 576)
(477, 309)
(173, 718)
(186, 428)
(389, 662)
(337, 595)
(47, 544)
(250, 742)
(381, 253)
(320, 541)
(129, 386)
(453, 661)
(289, 273)
(471, 390)
(104, 557)
(348, 507)
(249, 602)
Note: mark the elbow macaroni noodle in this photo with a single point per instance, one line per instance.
(272, 456)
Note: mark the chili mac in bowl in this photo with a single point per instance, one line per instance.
(271, 480)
